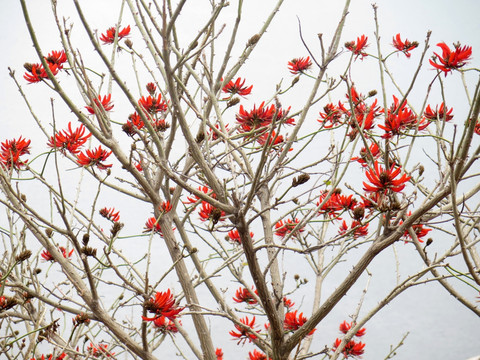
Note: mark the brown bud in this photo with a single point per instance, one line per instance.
(295, 80)
(429, 241)
(302, 179)
(81, 318)
(194, 250)
(24, 255)
(233, 101)
(85, 239)
(23, 197)
(337, 191)
(372, 93)
(216, 215)
(28, 67)
(253, 40)
(117, 226)
(129, 43)
(358, 213)
(200, 137)
(296, 277)
(89, 251)
(38, 271)
(49, 232)
(421, 169)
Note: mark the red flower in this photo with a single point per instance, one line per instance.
(282, 229)
(153, 105)
(288, 303)
(293, 322)
(192, 199)
(165, 206)
(358, 47)
(257, 355)
(35, 72)
(451, 60)
(11, 150)
(234, 236)
(163, 326)
(244, 295)
(299, 65)
(477, 128)
(352, 348)
(57, 58)
(133, 123)
(209, 212)
(48, 257)
(333, 115)
(438, 114)
(151, 88)
(404, 46)
(419, 230)
(400, 118)
(237, 88)
(335, 204)
(104, 103)
(162, 305)
(69, 140)
(99, 351)
(382, 180)
(355, 227)
(94, 157)
(364, 157)
(244, 334)
(213, 135)
(272, 139)
(110, 214)
(219, 354)
(345, 327)
(261, 117)
(109, 36)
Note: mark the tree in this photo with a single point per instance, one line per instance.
(237, 192)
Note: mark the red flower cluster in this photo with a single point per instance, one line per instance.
(336, 203)
(439, 114)
(355, 227)
(162, 305)
(404, 46)
(358, 47)
(153, 105)
(352, 348)
(282, 228)
(299, 65)
(237, 87)
(48, 257)
(261, 117)
(165, 326)
(293, 321)
(36, 72)
(219, 354)
(419, 229)
(109, 36)
(243, 333)
(192, 199)
(208, 212)
(245, 295)
(345, 327)
(152, 224)
(400, 118)
(94, 157)
(364, 158)
(382, 180)
(451, 60)
(11, 150)
(110, 214)
(100, 103)
(257, 355)
(133, 123)
(99, 351)
(69, 140)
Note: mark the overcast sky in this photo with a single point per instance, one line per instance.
(440, 332)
